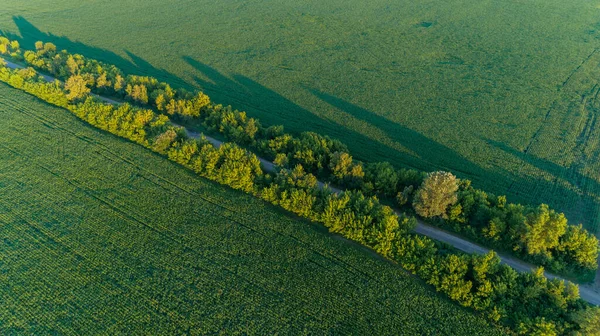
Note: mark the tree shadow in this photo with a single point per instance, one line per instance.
(274, 109)
(550, 167)
(252, 94)
(29, 34)
(427, 149)
(583, 210)
(268, 106)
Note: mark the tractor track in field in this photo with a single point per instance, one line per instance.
(161, 231)
(174, 186)
(588, 292)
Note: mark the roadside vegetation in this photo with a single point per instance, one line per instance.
(526, 302)
(536, 234)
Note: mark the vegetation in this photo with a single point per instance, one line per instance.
(436, 194)
(100, 236)
(528, 303)
(479, 215)
(459, 86)
(537, 234)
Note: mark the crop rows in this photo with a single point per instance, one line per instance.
(102, 236)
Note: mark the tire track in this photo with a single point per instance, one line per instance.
(162, 232)
(536, 135)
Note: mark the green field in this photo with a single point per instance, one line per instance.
(101, 236)
(501, 92)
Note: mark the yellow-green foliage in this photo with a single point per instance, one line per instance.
(436, 194)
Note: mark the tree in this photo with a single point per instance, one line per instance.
(182, 152)
(495, 229)
(538, 327)
(72, 65)
(159, 102)
(119, 83)
(281, 160)
(580, 246)
(383, 177)
(543, 228)
(404, 196)
(588, 321)
(14, 45)
(436, 193)
(76, 87)
(139, 93)
(450, 278)
(483, 269)
(251, 128)
(164, 140)
(49, 48)
(102, 81)
(339, 164)
(344, 169)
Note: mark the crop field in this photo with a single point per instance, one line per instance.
(501, 92)
(100, 236)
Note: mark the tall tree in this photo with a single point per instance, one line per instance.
(72, 65)
(543, 228)
(588, 320)
(580, 246)
(436, 194)
(76, 87)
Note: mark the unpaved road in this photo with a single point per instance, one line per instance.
(588, 292)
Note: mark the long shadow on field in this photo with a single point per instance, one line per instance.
(581, 209)
(580, 180)
(425, 147)
(29, 34)
(271, 107)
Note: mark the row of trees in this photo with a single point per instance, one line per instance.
(529, 303)
(10, 48)
(479, 215)
(536, 233)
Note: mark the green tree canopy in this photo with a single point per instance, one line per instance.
(543, 228)
(436, 194)
(76, 87)
(581, 245)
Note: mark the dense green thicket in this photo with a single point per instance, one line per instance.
(479, 215)
(538, 234)
(529, 303)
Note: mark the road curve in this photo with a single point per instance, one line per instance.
(589, 293)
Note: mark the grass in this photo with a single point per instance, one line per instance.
(100, 236)
(491, 90)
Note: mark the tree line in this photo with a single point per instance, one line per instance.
(527, 302)
(481, 216)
